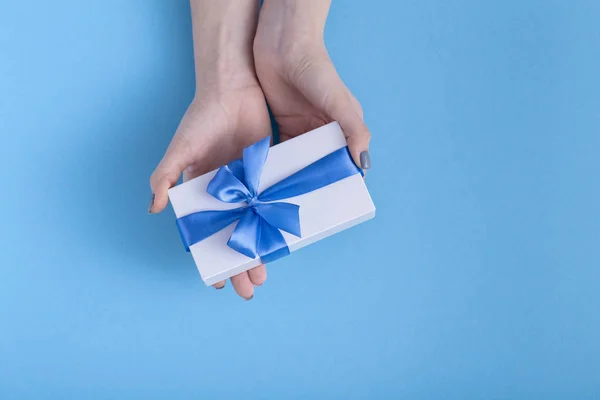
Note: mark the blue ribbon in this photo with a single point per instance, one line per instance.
(262, 217)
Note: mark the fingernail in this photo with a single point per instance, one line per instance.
(365, 160)
(250, 298)
(220, 287)
(151, 204)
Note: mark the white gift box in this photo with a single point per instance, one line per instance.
(323, 212)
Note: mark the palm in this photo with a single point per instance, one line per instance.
(216, 132)
(292, 111)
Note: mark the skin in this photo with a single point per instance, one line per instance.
(240, 60)
(297, 76)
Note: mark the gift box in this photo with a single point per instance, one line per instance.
(271, 202)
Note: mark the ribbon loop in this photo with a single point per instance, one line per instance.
(254, 158)
(227, 188)
(285, 216)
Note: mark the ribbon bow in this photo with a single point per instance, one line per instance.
(262, 217)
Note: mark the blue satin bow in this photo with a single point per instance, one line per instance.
(261, 218)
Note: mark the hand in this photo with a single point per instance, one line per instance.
(213, 132)
(228, 113)
(298, 78)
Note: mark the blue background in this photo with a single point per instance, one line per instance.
(479, 278)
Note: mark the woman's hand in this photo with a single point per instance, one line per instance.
(228, 113)
(298, 78)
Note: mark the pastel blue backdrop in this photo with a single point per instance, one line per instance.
(479, 278)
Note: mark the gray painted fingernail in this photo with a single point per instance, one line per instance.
(220, 287)
(151, 204)
(250, 298)
(365, 160)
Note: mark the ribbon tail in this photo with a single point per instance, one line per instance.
(197, 226)
(325, 171)
(285, 216)
(271, 244)
(244, 238)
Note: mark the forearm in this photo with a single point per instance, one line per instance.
(223, 32)
(291, 23)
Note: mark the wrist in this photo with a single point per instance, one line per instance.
(222, 65)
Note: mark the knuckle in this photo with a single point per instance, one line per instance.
(152, 180)
(360, 112)
(155, 178)
(329, 101)
(357, 106)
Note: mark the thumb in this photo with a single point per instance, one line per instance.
(320, 83)
(167, 173)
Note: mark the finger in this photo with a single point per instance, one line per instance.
(258, 275)
(219, 285)
(168, 171)
(320, 83)
(243, 286)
